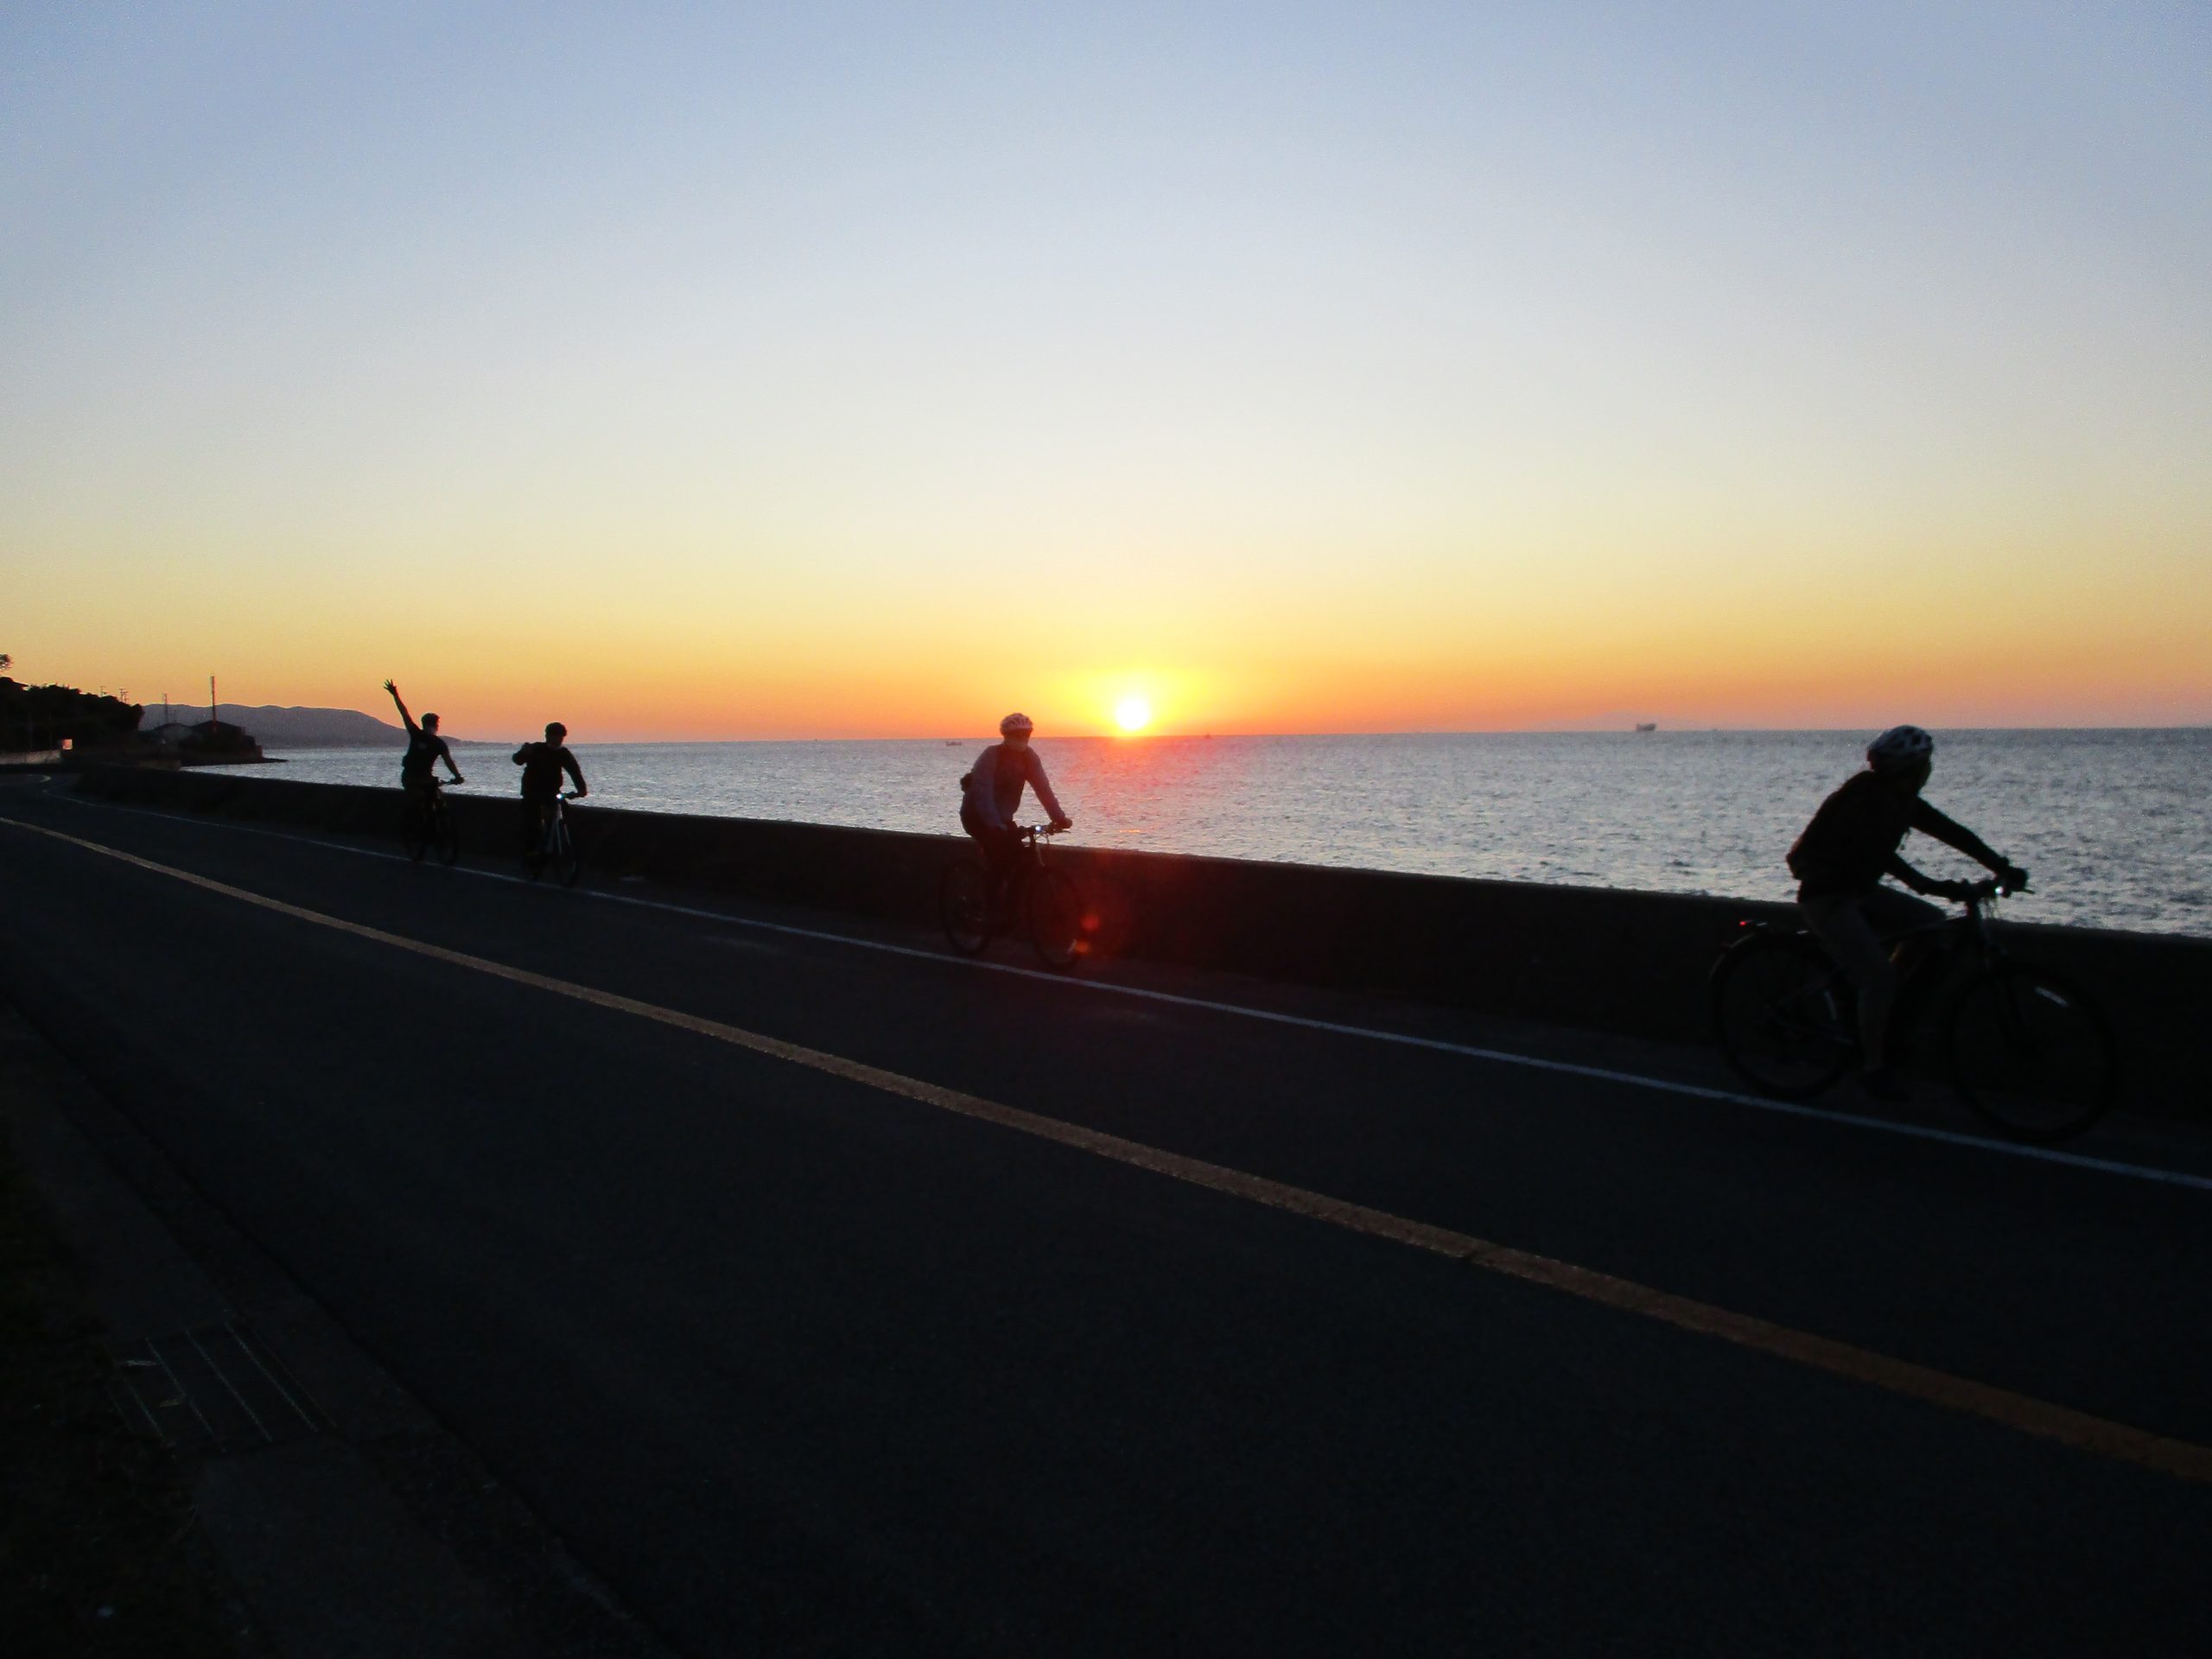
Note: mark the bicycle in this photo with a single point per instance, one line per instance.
(2026, 1048)
(428, 825)
(556, 845)
(1045, 900)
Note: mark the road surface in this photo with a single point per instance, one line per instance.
(825, 1293)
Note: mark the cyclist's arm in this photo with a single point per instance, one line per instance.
(446, 752)
(1043, 785)
(522, 754)
(1952, 834)
(568, 764)
(1903, 872)
(403, 714)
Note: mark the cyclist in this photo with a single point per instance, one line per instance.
(1840, 862)
(425, 748)
(990, 795)
(541, 766)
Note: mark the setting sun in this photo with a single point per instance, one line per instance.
(1133, 713)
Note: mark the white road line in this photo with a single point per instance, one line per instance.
(2044, 1418)
(1370, 1034)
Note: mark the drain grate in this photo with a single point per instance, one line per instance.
(217, 1389)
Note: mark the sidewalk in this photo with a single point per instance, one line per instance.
(230, 1474)
(100, 1553)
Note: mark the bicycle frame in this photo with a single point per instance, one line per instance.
(1938, 950)
(428, 807)
(1033, 837)
(1935, 954)
(1970, 932)
(1027, 867)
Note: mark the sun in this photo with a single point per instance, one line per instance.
(1133, 713)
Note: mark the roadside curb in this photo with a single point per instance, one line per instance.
(359, 1527)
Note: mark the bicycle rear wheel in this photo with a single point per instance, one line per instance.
(1055, 917)
(2031, 1053)
(415, 834)
(964, 906)
(1784, 1015)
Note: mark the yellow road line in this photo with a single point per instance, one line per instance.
(2183, 1460)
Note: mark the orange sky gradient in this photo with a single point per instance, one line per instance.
(1968, 656)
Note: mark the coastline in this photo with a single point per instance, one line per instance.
(2109, 821)
(1596, 958)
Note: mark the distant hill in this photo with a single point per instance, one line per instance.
(292, 728)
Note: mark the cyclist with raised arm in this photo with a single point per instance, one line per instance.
(1840, 862)
(541, 766)
(425, 748)
(990, 797)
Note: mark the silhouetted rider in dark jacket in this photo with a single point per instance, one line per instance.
(425, 748)
(1840, 862)
(541, 766)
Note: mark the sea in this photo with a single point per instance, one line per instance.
(2113, 824)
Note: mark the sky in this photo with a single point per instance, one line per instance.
(717, 371)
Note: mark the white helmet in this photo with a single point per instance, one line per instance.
(1015, 722)
(1899, 747)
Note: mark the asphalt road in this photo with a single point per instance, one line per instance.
(794, 1357)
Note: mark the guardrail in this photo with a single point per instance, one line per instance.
(1598, 958)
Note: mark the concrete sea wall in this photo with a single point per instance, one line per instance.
(1599, 958)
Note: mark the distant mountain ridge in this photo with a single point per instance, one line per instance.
(274, 728)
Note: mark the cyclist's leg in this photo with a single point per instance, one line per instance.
(1892, 913)
(1838, 922)
(1905, 924)
(999, 848)
(1002, 853)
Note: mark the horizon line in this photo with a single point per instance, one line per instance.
(1661, 730)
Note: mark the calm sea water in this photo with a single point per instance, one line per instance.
(2113, 824)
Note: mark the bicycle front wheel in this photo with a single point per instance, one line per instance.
(1784, 1015)
(2031, 1053)
(566, 864)
(1055, 917)
(448, 842)
(964, 906)
(414, 834)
